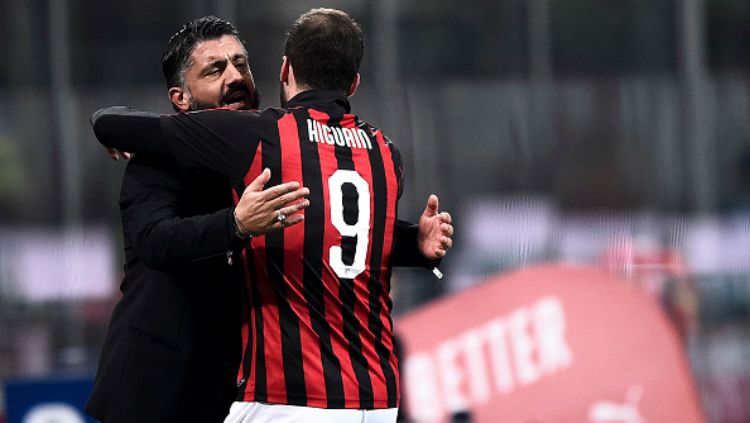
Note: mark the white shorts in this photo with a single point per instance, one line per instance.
(256, 412)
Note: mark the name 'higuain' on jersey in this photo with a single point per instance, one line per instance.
(343, 137)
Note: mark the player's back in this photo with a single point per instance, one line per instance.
(319, 328)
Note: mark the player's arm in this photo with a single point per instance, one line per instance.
(218, 140)
(405, 248)
(224, 141)
(423, 244)
(131, 130)
(227, 142)
(152, 208)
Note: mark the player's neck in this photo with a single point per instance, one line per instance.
(289, 82)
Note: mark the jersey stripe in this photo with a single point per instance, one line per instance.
(313, 253)
(366, 289)
(380, 322)
(368, 163)
(334, 310)
(350, 289)
(290, 348)
(294, 238)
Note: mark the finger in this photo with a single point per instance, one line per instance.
(432, 206)
(447, 229)
(126, 155)
(289, 212)
(276, 191)
(260, 181)
(293, 220)
(287, 195)
(446, 242)
(445, 217)
(289, 221)
(294, 208)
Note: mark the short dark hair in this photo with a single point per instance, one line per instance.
(176, 58)
(325, 47)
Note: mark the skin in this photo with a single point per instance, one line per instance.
(435, 230)
(219, 77)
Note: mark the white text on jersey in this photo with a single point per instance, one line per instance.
(344, 137)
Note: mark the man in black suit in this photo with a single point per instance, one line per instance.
(173, 347)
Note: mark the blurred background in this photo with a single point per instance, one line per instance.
(611, 133)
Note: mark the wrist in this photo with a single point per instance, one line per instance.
(240, 231)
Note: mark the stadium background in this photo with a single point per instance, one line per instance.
(611, 133)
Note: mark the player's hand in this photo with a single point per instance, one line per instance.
(261, 211)
(435, 231)
(116, 154)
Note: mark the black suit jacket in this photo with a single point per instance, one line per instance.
(173, 345)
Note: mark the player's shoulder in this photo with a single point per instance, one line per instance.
(374, 131)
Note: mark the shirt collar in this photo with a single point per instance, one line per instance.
(323, 100)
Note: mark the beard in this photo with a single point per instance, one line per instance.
(196, 105)
(252, 99)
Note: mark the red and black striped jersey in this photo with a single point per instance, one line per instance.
(318, 329)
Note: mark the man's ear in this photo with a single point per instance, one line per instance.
(180, 98)
(284, 72)
(353, 87)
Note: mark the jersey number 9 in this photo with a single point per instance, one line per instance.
(359, 229)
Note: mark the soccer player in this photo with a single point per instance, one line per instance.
(318, 332)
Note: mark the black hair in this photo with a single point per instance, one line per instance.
(325, 48)
(180, 46)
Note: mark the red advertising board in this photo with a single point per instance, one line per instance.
(548, 344)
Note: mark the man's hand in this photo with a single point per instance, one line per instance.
(435, 231)
(116, 154)
(261, 211)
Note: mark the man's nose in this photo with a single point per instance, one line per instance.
(232, 75)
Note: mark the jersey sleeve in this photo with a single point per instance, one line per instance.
(405, 246)
(129, 130)
(398, 165)
(223, 141)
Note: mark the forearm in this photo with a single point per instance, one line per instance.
(173, 240)
(158, 222)
(129, 130)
